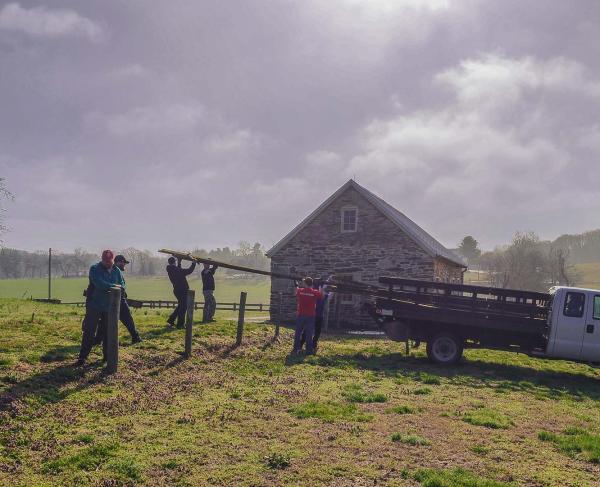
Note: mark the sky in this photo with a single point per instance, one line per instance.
(193, 123)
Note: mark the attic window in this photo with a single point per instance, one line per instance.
(349, 219)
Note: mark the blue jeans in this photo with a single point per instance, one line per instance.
(304, 324)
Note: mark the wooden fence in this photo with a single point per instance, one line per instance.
(165, 304)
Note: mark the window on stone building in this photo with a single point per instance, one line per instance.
(345, 298)
(349, 219)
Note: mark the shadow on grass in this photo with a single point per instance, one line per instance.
(543, 384)
(48, 386)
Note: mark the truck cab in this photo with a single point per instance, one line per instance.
(574, 324)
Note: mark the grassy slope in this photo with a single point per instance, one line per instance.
(137, 287)
(359, 413)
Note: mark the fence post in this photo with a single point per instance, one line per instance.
(189, 322)
(112, 330)
(280, 317)
(240, 327)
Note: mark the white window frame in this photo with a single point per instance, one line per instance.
(343, 213)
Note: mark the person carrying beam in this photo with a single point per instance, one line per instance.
(103, 276)
(319, 312)
(307, 306)
(178, 277)
(208, 290)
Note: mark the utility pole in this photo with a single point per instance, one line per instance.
(49, 274)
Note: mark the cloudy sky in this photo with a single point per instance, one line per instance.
(202, 123)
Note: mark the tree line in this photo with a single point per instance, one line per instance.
(529, 263)
(19, 264)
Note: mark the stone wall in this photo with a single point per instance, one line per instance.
(446, 271)
(378, 248)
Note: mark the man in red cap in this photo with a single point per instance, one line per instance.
(103, 276)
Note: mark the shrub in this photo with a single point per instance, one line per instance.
(278, 461)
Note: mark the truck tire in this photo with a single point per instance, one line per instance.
(444, 349)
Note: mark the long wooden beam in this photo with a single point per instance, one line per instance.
(205, 260)
(335, 285)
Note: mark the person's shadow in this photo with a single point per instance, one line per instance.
(48, 386)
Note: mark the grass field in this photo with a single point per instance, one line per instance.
(70, 290)
(359, 413)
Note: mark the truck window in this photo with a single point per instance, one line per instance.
(574, 305)
(596, 314)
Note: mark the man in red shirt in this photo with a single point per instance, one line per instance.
(307, 305)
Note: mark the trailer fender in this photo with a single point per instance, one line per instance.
(445, 348)
(396, 330)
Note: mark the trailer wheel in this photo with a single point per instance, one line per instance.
(445, 349)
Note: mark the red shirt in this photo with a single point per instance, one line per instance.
(307, 300)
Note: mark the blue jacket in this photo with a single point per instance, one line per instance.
(103, 280)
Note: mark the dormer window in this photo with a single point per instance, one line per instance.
(349, 219)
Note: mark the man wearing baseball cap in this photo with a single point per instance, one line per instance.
(103, 276)
(125, 312)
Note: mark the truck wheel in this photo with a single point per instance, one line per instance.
(445, 349)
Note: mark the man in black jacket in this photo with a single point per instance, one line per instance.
(178, 277)
(208, 290)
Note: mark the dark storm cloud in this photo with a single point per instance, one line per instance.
(201, 123)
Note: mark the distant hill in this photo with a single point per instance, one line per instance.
(583, 248)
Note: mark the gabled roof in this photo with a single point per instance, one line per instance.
(420, 236)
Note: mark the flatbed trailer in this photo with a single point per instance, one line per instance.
(451, 317)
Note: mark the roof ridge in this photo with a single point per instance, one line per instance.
(418, 234)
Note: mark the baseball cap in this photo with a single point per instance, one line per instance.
(121, 258)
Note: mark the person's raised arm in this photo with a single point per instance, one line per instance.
(190, 269)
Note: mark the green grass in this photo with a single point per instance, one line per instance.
(329, 411)
(71, 289)
(403, 409)
(354, 393)
(575, 442)
(254, 416)
(488, 418)
(410, 439)
(454, 478)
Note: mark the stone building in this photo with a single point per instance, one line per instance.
(356, 235)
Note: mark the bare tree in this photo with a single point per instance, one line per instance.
(5, 194)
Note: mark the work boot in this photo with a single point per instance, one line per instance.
(80, 362)
(170, 324)
(136, 339)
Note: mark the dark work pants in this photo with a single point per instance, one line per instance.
(210, 305)
(318, 325)
(180, 309)
(127, 319)
(93, 321)
(304, 325)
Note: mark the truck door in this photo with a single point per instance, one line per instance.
(570, 325)
(591, 338)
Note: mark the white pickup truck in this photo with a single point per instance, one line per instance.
(574, 324)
